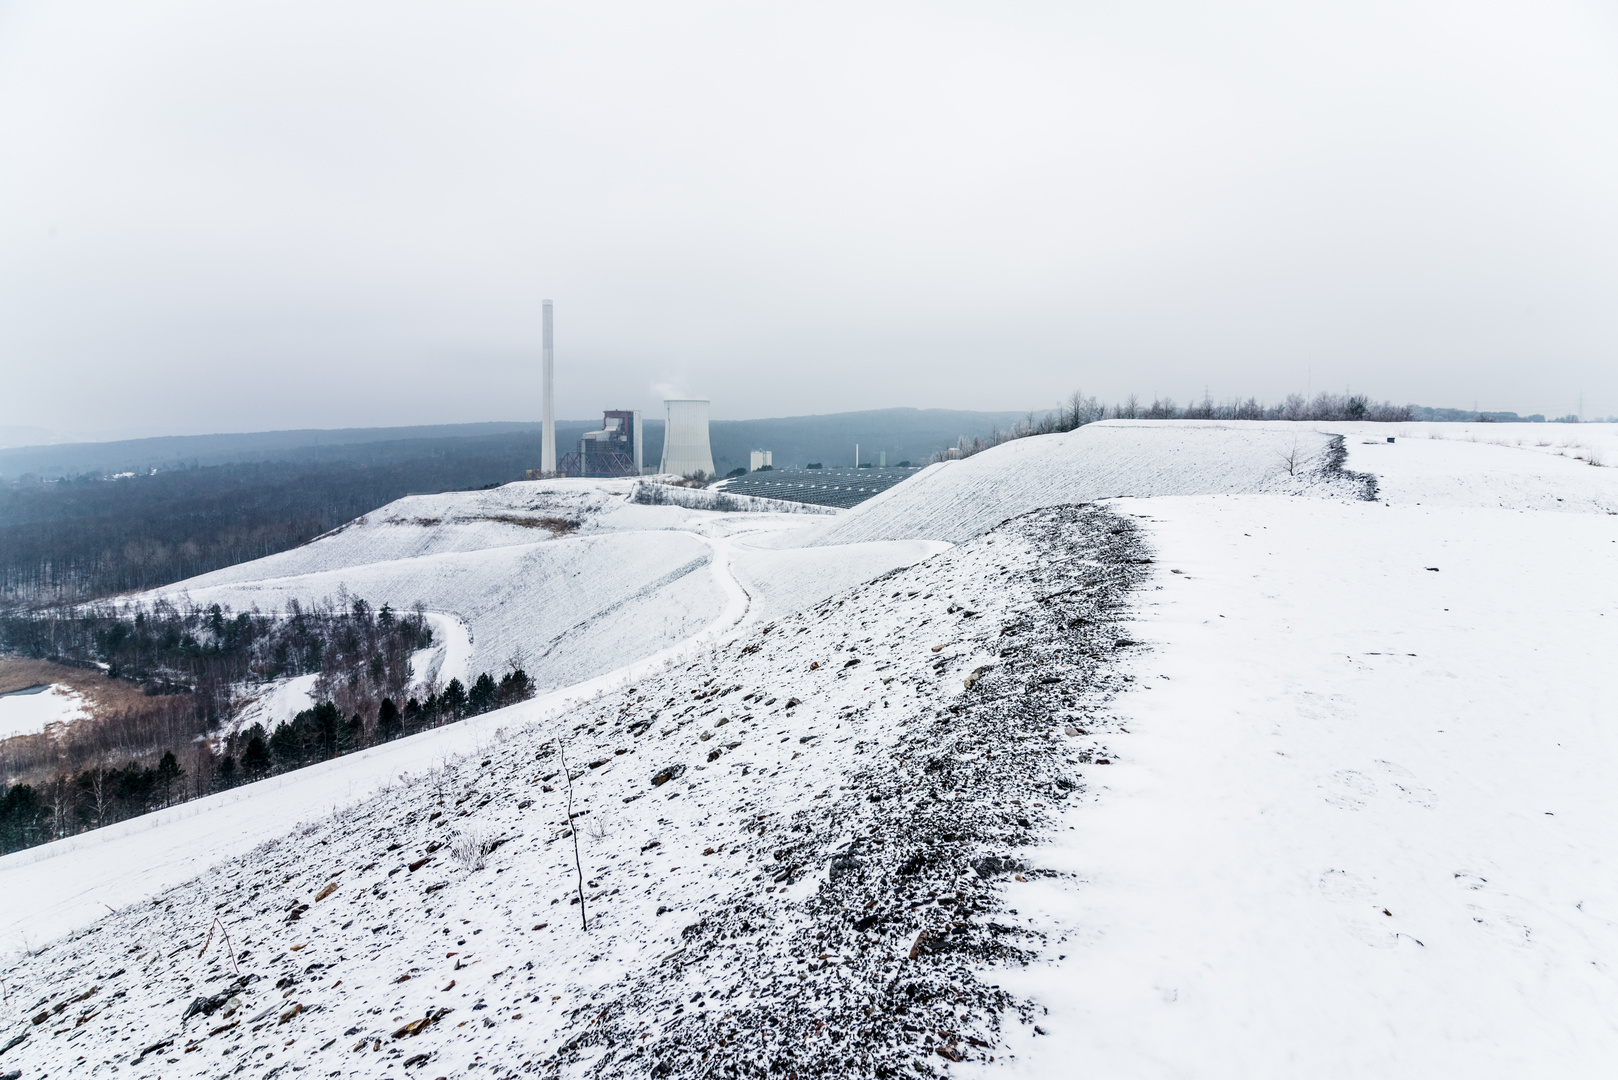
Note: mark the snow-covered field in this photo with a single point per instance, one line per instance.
(1502, 466)
(1363, 822)
(32, 710)
(1329, 794)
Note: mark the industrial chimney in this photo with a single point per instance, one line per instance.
(547, 443)
(685, 438)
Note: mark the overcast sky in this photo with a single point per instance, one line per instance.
(245, 216)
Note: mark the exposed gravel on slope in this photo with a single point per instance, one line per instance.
(790, 851)
(882, 970)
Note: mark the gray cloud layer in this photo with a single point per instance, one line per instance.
(257, 215)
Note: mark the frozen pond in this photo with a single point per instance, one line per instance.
(27, 711)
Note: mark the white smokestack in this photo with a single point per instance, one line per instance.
(547, 444)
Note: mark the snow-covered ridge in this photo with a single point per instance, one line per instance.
(1562, 467)
(959, 499)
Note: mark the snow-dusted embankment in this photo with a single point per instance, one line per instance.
(1501, 466)
(651, 493)
(960, 499)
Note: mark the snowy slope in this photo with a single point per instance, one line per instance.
(450, 522)
(960, 499)
(1363, 820)
(1335, 800)
(823, 755)
(781, 581)
(574, 607)
(632, 579)
(69, 883)
(1506, 468)
(272, 703)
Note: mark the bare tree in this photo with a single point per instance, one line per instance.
(1292, 459)
(100, 796)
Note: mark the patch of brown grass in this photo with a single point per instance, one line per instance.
(554, 525)
(104, 695)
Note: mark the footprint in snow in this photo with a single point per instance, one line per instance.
(1355, 904)
(1486, 907)
(1406, 787)
(1349, 789)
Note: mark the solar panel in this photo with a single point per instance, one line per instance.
(820, 487)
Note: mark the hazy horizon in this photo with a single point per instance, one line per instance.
(266, 217)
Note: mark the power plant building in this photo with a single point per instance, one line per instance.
(685, 438)
(758, 459)
(615, 450)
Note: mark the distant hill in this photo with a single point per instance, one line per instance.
(185, 505)
(911, 434)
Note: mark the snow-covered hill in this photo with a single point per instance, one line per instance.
(1321, 789)
(959, 499)
(1362, 824)
(569, 578)
(782, 846)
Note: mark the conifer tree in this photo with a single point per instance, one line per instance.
(256, 758)
(388, 723)
(168, 774)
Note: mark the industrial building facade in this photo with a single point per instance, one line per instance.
(615, 450)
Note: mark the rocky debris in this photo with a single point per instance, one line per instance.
(207, 1006)
(877, 971)
(152, 1049)
(673, 772)
(416, 1027)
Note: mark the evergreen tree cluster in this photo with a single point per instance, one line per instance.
(100, 795)
(196, 666)
(95, 797)
(321, 733)
(212, 654)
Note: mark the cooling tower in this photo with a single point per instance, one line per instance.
(685, 439)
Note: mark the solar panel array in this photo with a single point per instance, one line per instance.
(822, 487)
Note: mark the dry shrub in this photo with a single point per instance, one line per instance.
(469, 849)
(554, 525)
